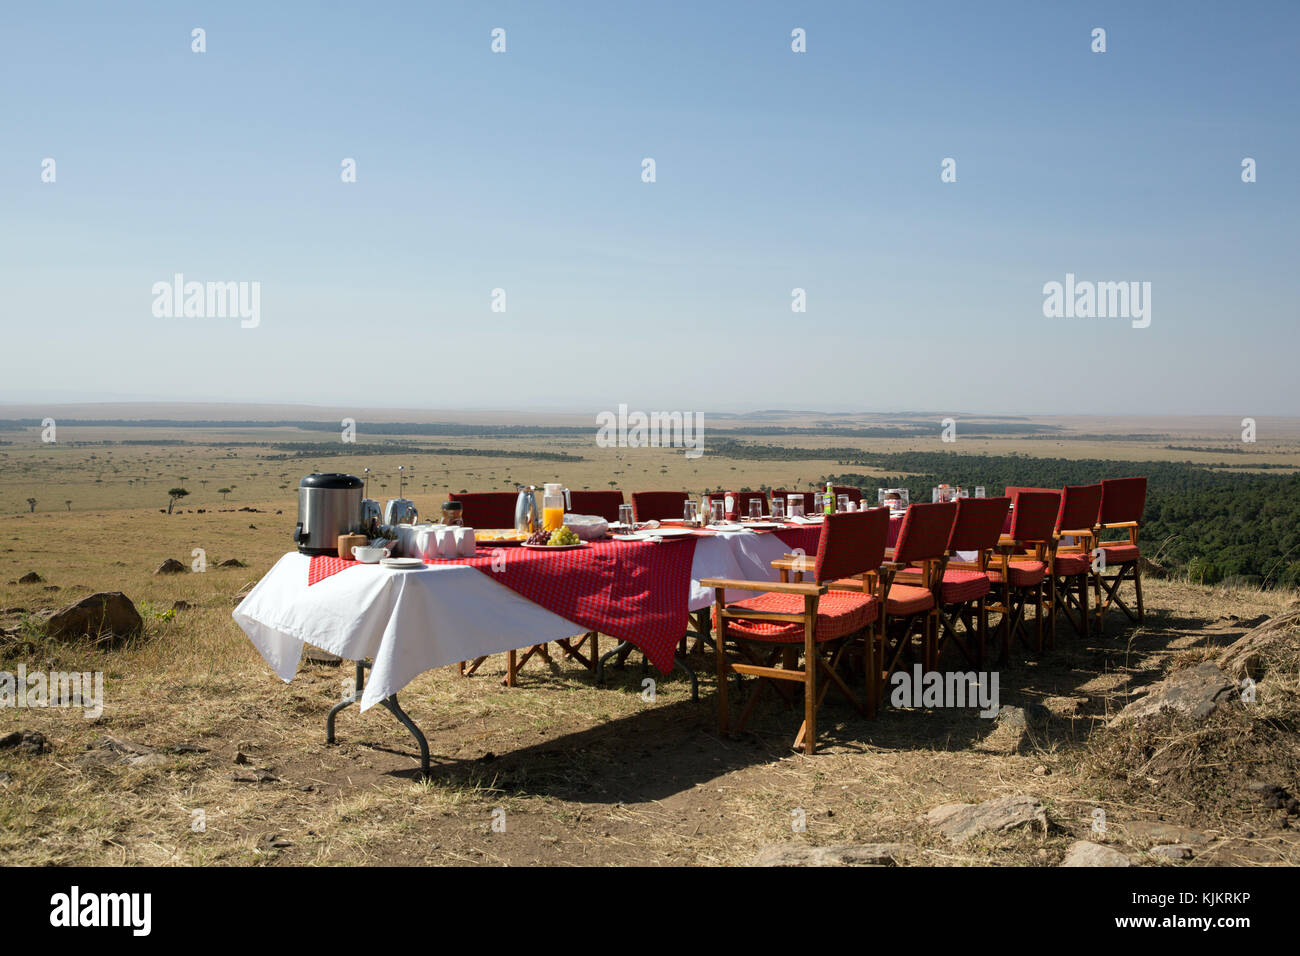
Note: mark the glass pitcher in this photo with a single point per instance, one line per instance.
(555, 500)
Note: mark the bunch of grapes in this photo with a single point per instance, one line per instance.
(539, 537)
(563, 535)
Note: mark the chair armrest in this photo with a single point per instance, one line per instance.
(793, 562)
(730, 584)
(1120, 524)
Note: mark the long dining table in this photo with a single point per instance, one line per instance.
(397, 624)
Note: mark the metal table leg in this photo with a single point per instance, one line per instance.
(393, 707)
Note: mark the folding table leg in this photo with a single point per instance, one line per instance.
(391, 705)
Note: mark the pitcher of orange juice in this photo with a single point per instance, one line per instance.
(555, 500)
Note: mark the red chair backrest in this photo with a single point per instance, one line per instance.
(487, 509)
(602, 503)
(742, 500)
(978, 524)
(925, 531)
(851, 544)
(807, 499)
(1034, 516)
(855, 494)
(1123, 499)
(657, 505)
(1080, 508)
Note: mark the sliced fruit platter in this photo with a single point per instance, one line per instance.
(500, 537)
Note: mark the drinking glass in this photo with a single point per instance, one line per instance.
(979, 491)
(691, 511)
(963, 492)
(903, 498)
(819, 505)
(796, 506)
(842, 503)
(756, 508)
(778, 509)
(625, 516)
(719, 510)
(880, 497)
(934, 494)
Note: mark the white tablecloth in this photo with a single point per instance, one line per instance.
(408, 622)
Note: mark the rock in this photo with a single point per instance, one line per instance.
(51, 587)
(170, 566)
(253, 527)
(962, 821)
(1245, 657)
(29, 742)
(1156, 831)
(181, 605)
(104, 613)
(275, 841)
(31, 577)
(1083, 853)
(1173, 851)
(232, 563)
(109, 751)
(1194, 692)
(792, 853)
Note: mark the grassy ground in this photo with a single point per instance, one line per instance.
(583, 775)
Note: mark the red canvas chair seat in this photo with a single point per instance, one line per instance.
(1070, 563)
(958, 586)
(839, 613)
(904, 601)
(1023, 574)
(1120, 553)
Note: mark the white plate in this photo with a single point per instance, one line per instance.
(639, 536)
(398, 564)
(763, 525)
(671, 532)
(555, 547)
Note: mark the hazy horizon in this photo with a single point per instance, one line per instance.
(775, 170)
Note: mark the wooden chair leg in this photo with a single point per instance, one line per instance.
(1137, 586)
(511, 669)
(1083, 603)
(810, 676)
(1038, 619)
(720, 653)
(983, 632)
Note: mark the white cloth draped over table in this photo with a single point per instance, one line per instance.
(408, 622)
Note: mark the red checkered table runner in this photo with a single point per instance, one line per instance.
(632, 591)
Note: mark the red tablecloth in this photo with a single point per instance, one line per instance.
(636, 592)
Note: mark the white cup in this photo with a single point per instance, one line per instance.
(447, 546)
(369, 555)
(465, 545)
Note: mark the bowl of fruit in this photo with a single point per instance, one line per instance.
(562, 538)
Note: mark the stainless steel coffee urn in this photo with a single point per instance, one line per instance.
(328, 505)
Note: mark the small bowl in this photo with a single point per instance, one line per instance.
(368, 554)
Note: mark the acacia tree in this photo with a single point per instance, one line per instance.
(173, 494)
(31, 505)
(223, 492)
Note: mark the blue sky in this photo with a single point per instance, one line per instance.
(775, 170)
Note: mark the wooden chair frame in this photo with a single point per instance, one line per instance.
(1111, 585)
(822, 657)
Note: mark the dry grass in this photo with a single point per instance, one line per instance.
(583, 774)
